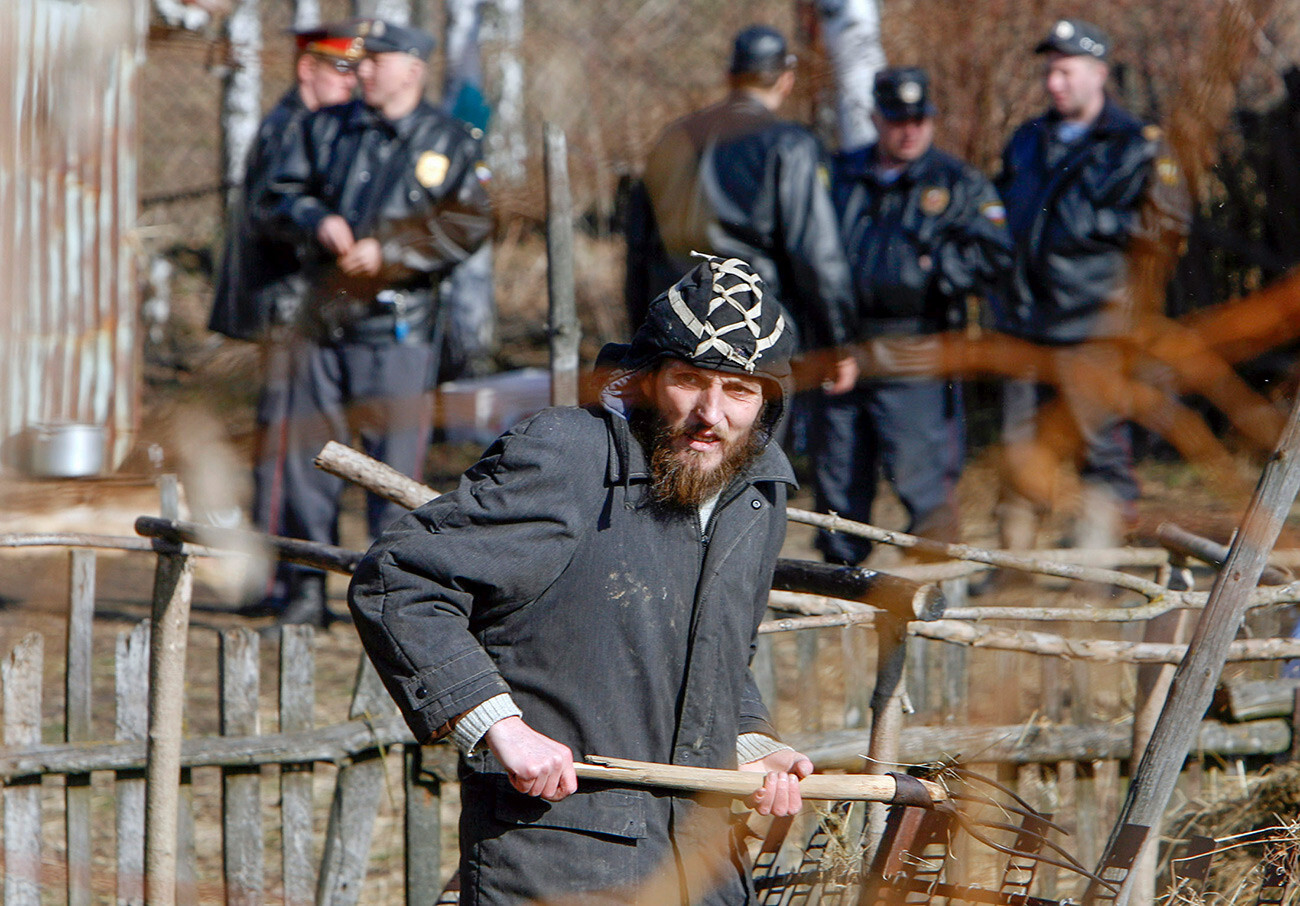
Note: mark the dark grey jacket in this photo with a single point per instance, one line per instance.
(617, 631)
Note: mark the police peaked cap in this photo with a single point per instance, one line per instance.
(759, 48)
(333, 39)
(902, 92)
(1076, 38)
(381, 36)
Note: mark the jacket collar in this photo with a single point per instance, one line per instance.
(861, 164)
(1112, 118)
(627, 459)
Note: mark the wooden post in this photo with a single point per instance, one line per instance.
(21, 676)
(886, 715)
(77, 728)
(297, 707)
(1153, 681)
(565, 334)
(173, 587)
(423, 828)
(1194, 681)
(241, 808)
(131, 723)
(356, 802)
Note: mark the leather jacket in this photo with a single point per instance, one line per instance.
(737, 181)
(258, 284)
(919, 244)
(1076, 211)
(416, 185)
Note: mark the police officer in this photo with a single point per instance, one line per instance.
(734, 180)
(386, 195)
(1084, 185)
(259, 284)
(923, 231)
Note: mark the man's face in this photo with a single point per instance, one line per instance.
(706, 421)
(385, 76)
(1076, 84)
(328, 81)
(904, 140)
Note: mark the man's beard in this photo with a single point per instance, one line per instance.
(678, 481)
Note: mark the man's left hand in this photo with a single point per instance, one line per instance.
(779, 794)
(364, 259)
(841, 376)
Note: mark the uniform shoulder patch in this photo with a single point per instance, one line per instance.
(994, 212)
(934, 200)
(431, 169)
(1168, 171)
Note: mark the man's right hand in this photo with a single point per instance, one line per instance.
(537, 764)
(334, 234)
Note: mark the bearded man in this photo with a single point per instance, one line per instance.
(594, 587)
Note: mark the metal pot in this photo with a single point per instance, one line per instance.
(64, 450)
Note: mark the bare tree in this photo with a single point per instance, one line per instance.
(851, 32)
(241, 101)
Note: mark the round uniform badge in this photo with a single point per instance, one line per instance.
(934, 200)
(431, 169)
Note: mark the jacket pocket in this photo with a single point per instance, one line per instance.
(614, 813)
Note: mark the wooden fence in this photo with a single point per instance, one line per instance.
(1074, 769)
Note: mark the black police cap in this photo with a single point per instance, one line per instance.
(381, 36)
(760, 48)
(1076, 38)
(902, 92)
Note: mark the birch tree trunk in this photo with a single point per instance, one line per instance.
(851, 31)
(396, 11)
(241, 102)
(507, 146)
(468, 291)
(306, 14)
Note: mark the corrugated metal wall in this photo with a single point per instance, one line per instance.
(68, 334)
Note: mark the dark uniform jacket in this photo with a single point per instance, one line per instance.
(617, 631)
(734, 180)
(919, 244)
(413, 184)
(258, 284)
(1075, 210)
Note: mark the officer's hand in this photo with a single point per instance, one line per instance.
(779, 794)
(841, 376)
(362, 260)
(537, 764)
(334, 234)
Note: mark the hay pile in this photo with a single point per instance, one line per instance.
(1245, 824)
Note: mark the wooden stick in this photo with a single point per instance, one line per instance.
(1194, 682)
(741, 784)
(1180, 541)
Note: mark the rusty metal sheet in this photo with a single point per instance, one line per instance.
(68, 337)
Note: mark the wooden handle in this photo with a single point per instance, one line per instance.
(741, 784)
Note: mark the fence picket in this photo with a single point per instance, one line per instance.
(131, 723)
(356, 803)
(297, 712)
(77, 704)
(423, 828)
(21, 676)
(241, 807)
